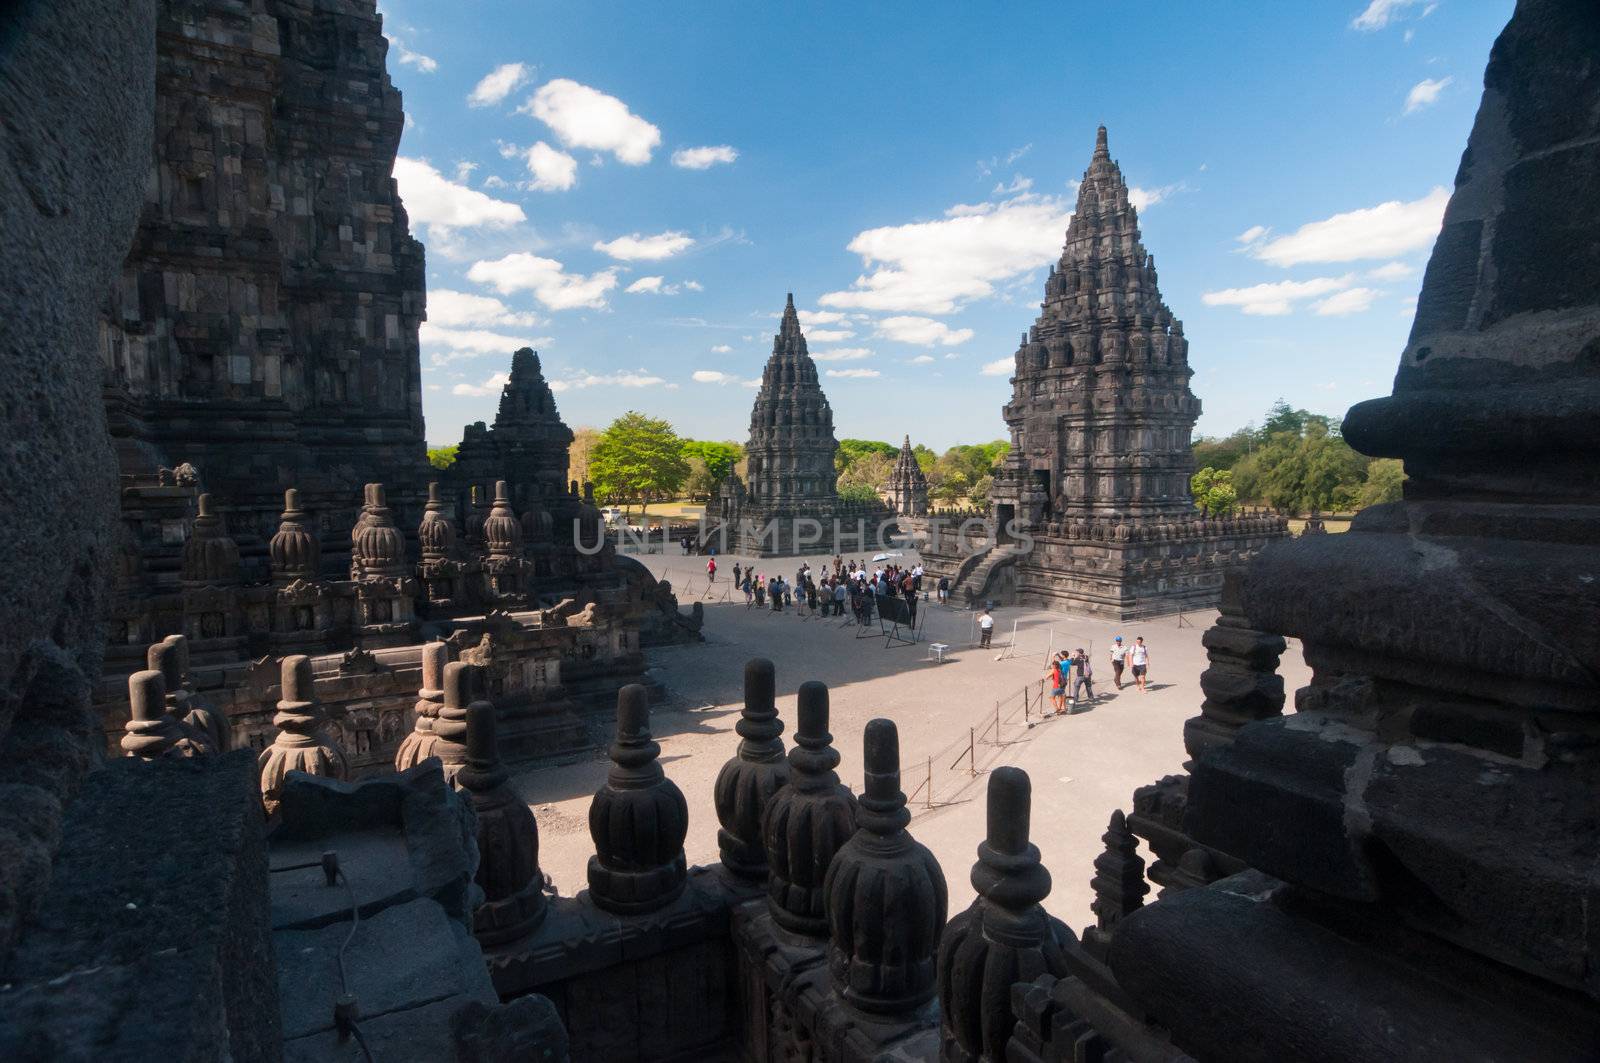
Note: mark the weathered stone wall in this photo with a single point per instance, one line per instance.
(76, 90)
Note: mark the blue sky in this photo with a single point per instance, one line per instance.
(632, 189)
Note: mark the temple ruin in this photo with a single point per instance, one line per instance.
(1090, 511)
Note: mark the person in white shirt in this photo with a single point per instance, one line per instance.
(985, 629)
(1119, 656)
(1140, 657)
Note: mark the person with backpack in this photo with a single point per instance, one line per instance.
(1085, 675)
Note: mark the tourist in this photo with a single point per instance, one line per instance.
(761, 592)
(944, 590)
(1057, 678)
(737, 578)
(840, 593)
(811, 596)
(985, 629)
(1119, 654)
(916, 578)
(711, 569)
(1085, 675)
(1140, 657)
(749, 590)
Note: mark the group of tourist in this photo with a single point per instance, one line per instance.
(1075, 673)
(839, 585)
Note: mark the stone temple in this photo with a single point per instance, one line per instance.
(1400, 868)
(1091, 505)
(790, 490)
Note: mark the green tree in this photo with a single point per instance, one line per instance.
(853, 450)
(443, 457)
(1385, 478)
(584, 437)
(638, 459)
(1226, 452)
(868, 471)
(718, 458)
(1214, 492)
(926, 458)
(857, 493)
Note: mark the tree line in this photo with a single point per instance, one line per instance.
(1296, 461)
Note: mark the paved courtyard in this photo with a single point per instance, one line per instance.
(1083, 766)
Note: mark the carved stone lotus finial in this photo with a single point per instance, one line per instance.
(462, 681)
(210, 558)
(417, 746)
(886, 895)
(1005, 937)
(508, 839)
(807, 821)
(170, 657)
(502, 532)
(376, 540)
(638, 820)
(748, 780)
(151, 732)
(301, 744)
(436, 535)
(294, 550)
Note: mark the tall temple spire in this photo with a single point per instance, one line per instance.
(1101, 150)
(791, 427)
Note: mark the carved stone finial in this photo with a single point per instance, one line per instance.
(748, 780)
(461, 683)
(417, 746)
(807, 821)
(170, 657)
(1242, 683)
(300, 744)
(638, 820)
(1005, 937)
(149, 733)
(886, 895)
(1119, 884)
(508, 839)
(477, 513)
(502, 532)
(210, 558)
(436, 535)
(294, 549)
(377, 541)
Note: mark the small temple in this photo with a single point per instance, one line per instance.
(1091, 511)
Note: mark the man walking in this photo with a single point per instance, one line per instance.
(985, 629)
(1140, 656)
(944, 590)
(1119, 655)
(1083, 682)
(737, 570)
(711, 570)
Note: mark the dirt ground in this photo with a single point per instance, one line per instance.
(1083, 766)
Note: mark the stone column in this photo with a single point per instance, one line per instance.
(807, 821)
(418, 745)
(886, 896)
(747, 782)
(1005, 937)
(638, 820)
(149, 733)
(462, 683)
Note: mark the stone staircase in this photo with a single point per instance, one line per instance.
(974, 578)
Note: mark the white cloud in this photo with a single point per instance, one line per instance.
(1018, 184)
(750, 383)
(639, 379)
(553, 170)
(1252, 234)
(721, 348)
(656, 286)
(452, 309)
(829, 335)
(922, 359)
(933, 267)
(1425, 93)
(432, 199)
(1274, 299)
(491, 386)
(842, 354)
(922, 331)
(496, 181)
(546, 279)
(1383, 231)
(713, 376)
(820, 317)
(703, 158)
(638, 247)
(1145, 198)
(464, 171)
(1351, 301)
(583, 117)
(854, 374)
(999, 367)
(406, 57)
(693, 286)
(499, 83)
(988, 167)
(1379, 13)
(1392, 271)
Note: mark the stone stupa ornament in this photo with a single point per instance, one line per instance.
(807, 821)
(886, 896)
(508, 839)
(461, 683)
(170, 657)
(301, 744)
(294, 549)
(435, 535)
(210, 557)
(377, 541)
(747, 782)
(151, 733)
(417, 746)
(1005, 937)
(638, 820)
